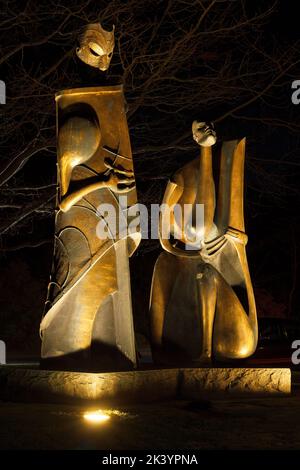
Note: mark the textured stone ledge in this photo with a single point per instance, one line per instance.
(17, 384)
(235, 382)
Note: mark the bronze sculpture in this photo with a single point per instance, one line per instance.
(88, 321)
(201, 287)
(96, 46)
(202, 303)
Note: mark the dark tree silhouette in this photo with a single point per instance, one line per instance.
(224, 60)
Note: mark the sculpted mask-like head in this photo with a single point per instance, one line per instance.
(204, 133)
(96, 46)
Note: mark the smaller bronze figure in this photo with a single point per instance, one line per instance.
(202, 303)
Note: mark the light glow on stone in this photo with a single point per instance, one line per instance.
(96, 417)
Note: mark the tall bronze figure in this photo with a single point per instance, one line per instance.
(88, 321)
(202, 303)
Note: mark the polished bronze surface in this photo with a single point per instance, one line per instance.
(202, 302)
(88, 321)
(96, 46)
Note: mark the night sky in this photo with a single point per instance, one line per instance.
(223, 77)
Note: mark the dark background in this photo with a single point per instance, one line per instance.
(232, 62)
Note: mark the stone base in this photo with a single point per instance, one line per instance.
(34, 385)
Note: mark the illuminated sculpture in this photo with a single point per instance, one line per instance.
(88, 321)
(96, 46)
(202, 302)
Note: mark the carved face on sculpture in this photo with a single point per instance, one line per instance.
(96, 46)
(204, 133)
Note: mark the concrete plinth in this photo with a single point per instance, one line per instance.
(34, 385)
